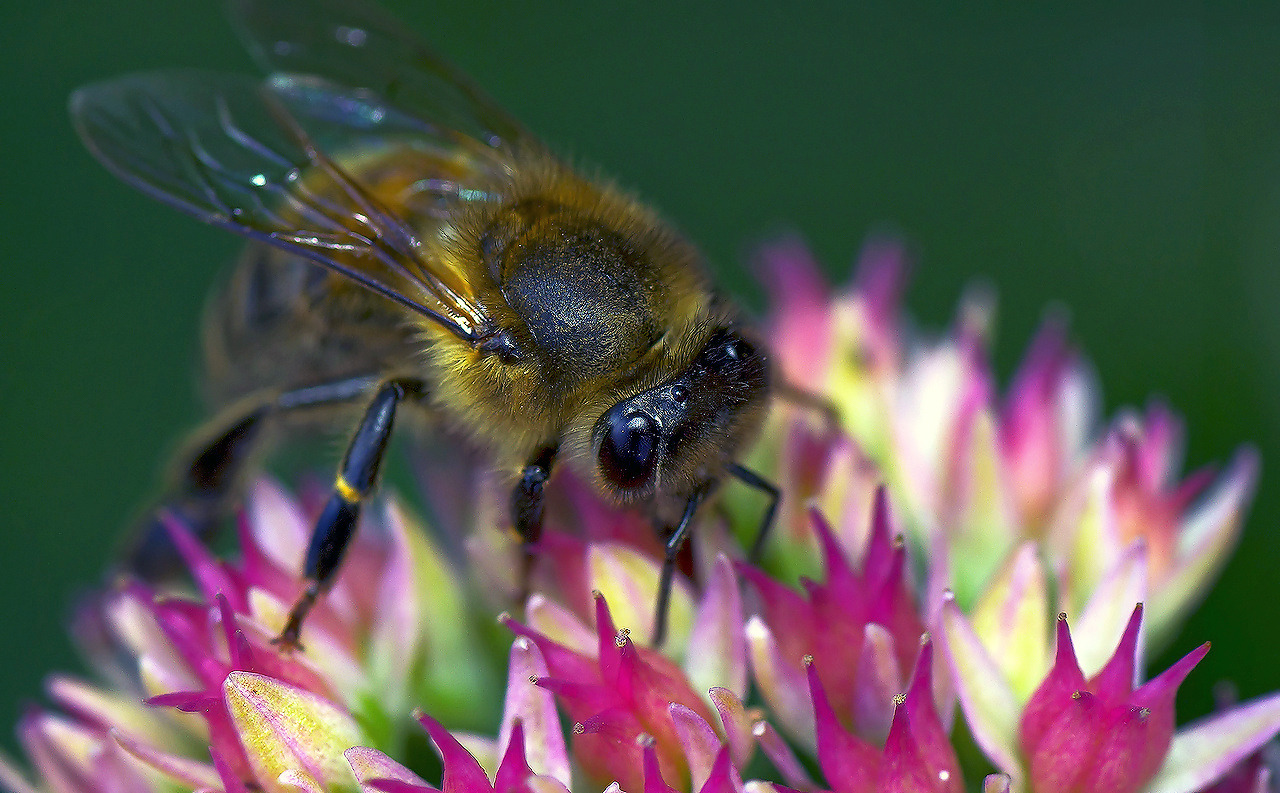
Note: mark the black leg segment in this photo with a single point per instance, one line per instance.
(526, 510)
(675, 542)
(357, 477)
(753, 480)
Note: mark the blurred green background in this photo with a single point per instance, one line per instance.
(1121, 164)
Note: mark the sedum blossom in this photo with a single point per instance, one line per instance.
(930, 529)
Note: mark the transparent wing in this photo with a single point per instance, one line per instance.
(243, 155)
(351, 43)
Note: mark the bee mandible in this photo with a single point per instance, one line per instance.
(414, 248)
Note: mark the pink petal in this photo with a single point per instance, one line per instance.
(563, 662)
(997, 783)
(801, 325)
(628, 579)
(104, 709)
(781, 683)
(723, 777)
(883, 267)
(881, 546)
(280, 529)
(905, 770)
(1133, 741)
(559, 624)
(1109, 610)
(782, 757)
(1117, 678)
(231, 781)
(176, 767)
(653, 781)
(210, 575)
(1055, 693)
(1031, 435)
(700, 743)
(852, 765)
(736, 723)
(513, 771)
(1208, 532)
(405, 604)
(931, 739)
(1064, 755)
(879, 680)
(1011, 618)
(462, 774)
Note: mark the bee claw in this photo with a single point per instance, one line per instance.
(287, 643)
(289, 640)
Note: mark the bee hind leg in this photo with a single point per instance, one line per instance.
(356, 479)
(207, 474)
(205, 481)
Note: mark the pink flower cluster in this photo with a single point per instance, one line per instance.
(929, 533)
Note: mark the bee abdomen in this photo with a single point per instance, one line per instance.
(282, 323)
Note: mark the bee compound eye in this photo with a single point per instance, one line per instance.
(629, 447)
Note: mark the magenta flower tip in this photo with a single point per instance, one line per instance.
(653, 781)
(916, 756)
(1118, 675)
(1101, 734)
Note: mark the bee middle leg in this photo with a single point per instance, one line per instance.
(526, 510)
(356, 479)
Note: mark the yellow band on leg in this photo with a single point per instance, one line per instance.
(348, 493)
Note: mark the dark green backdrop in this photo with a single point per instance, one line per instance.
(1124, 165)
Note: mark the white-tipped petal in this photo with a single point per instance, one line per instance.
(985, 696)
(535, 708)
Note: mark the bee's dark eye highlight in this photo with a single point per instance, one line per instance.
(628, 449)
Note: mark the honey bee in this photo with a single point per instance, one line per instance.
(413, 248)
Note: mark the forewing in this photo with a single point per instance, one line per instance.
(244, 155)
(352, 43)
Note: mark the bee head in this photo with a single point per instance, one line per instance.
(679, 434)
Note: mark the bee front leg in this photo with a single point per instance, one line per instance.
(526, 510)
(675, 542)
(357, 476)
